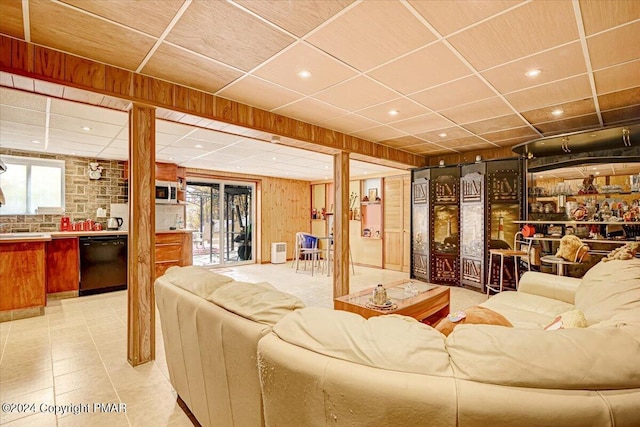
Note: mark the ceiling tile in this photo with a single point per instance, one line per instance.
(20, 115)
(88, 112)
(114, 153)
(158, 13)
(197, 144)
(284, 69)
(533, 27)
(619, 77)
(13, 128)
(380, 133)
(451, 133)
(172, 128)
(564, 61)
(509, 134)
(24, 100)
(215, 137)
(310, 111)
(356, 93)
(479, 110)
(619, 99)
(174, 64)
(56, 144)
(623, 114)
(220, 38)
(420, 124)
(426, 148)
(603, 14)
(495, 124)
(572, 124)
(614, 47)
(465, 90)
(427, 67)
(405, 108)
(297, 17)
(72, 136)
(271, 96)
(465, 143)
(14, 140)
(377, 31)
(75, 125)
(11, 22)
(571, 109)
(551, 93)
(450, 16)
(349, 123)
(402, 142)
(72, 31)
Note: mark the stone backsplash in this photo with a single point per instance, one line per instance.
(83, 196)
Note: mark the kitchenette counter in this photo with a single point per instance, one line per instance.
(64, 234)
(24, 237)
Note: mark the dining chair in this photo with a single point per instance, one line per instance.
(306, 248)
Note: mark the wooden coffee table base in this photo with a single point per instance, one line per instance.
(427, 306)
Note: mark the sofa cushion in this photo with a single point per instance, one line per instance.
(255, 302)
(392, 342)
(608, 289)
(525, 310)
(475, 315)
(197, 280)
(582, 358)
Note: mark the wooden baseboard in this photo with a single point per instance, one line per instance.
(21, 313)
(62, 295)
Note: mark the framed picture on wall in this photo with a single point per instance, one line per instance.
(373, 194)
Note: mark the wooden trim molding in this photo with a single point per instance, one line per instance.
(41, 63)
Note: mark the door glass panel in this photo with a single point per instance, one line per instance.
(222, 213)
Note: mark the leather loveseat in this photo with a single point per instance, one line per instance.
(321, 367)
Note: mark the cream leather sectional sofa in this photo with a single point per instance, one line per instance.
(211, 326)
(244, 354)
(321, 367)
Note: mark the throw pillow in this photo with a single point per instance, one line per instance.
(473, 315)
(566, 320)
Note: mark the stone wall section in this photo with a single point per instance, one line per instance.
(83, 196)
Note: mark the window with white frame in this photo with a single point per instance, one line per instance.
(30, 184)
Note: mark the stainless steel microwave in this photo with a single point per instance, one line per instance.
(166, 192)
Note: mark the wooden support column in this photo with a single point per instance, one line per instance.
(341, 224)
(142, 235)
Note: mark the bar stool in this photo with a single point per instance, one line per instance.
(521, 251)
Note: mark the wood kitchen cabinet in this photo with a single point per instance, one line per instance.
(173, 249)
(22, 275)
(164, 171)
(63, 265)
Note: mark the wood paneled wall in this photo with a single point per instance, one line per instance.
(470, 156)
(27, 59)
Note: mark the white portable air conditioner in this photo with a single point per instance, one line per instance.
(278, 253)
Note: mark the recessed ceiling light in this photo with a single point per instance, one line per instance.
(273, 158)
(326, 177)
(365, 172)
(169, 158)
(36, 142)
(73, 154)
(557, 112)
(198, 145)
(442, 135)
(394, 112)
(533, 73)
(326, 167)
(593, 135)
(597, 173)
(305, 74)
(86, 128)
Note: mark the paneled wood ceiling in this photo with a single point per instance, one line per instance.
(429, 77)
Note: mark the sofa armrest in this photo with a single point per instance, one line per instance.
(549, 285)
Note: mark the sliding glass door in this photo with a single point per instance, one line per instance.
(223, 214)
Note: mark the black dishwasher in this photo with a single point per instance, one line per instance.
(103, 264)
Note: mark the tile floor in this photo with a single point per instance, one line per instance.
(76, 353)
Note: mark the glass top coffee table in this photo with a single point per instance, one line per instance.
(429, 304)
